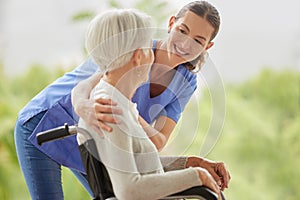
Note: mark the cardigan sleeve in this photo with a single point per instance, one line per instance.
(171, 163)
(149, 181)
(152, 186)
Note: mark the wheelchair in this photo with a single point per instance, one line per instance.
(97, 175)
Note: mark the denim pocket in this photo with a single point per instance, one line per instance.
(32, 123)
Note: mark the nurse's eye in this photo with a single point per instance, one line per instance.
(199, 42)
(182, 31)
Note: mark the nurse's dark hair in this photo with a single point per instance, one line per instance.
(207, 11)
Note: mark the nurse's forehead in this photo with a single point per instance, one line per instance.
(197, 24)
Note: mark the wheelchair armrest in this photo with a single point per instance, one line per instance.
(198, 192)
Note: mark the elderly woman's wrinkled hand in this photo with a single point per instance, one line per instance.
(218, 170)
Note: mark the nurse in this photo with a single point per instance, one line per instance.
(52, 107)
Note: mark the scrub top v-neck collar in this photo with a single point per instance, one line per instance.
(169, 86)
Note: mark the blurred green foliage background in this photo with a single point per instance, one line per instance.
(260, 141)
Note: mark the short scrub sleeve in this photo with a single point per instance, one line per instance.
(174, 109)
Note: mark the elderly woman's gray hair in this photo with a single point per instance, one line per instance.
(113, 36)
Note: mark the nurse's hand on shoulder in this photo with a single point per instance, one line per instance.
(99, 113)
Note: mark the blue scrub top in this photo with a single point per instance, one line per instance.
(56, 101)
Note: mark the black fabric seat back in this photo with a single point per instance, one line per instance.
(97, 175)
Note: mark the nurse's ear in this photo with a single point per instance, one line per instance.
(210, 44)
(171, 23)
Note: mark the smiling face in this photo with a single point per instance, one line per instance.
(189, 36)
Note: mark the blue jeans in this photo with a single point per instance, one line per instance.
(42, 174)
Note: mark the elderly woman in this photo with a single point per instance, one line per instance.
(119, 41)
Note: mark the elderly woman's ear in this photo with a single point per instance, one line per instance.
(136, 57)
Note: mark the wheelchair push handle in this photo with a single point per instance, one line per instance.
(56, 133)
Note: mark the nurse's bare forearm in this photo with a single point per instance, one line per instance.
(81, 93)
(160, 133)
(95, 112)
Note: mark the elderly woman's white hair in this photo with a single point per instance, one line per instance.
(113, 36)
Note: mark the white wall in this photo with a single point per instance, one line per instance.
(253, 34)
